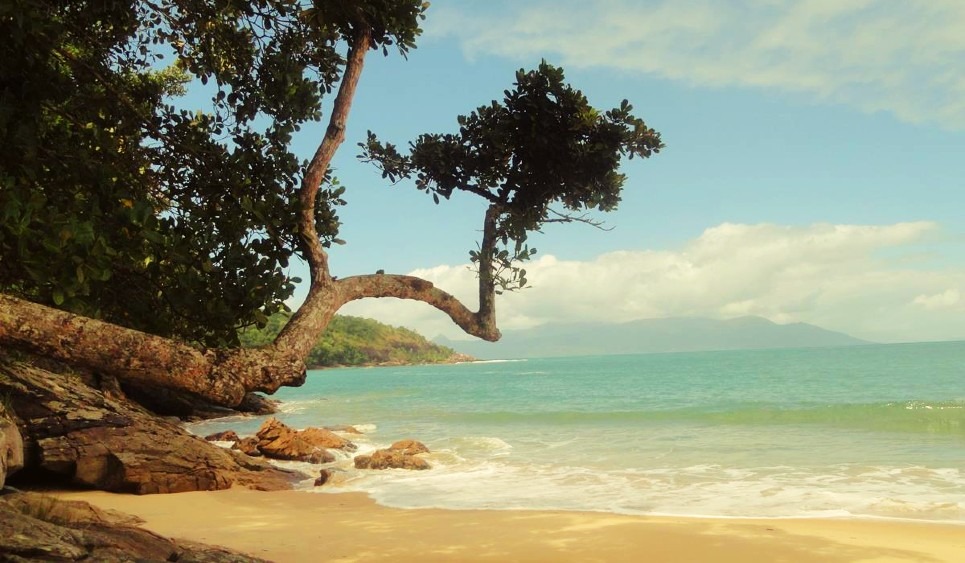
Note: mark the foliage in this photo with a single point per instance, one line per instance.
(115, 202)
(354, 341)
(543, 154)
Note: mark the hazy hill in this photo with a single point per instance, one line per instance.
(652, 335)
(354, 341)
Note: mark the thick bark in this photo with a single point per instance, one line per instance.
(487, 281)
(221, 376)
(481, 324)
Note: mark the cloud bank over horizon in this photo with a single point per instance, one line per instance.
(870, 281)
(904, 58)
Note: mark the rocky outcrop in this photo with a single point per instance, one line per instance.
(400, 455)
(277, 441)
(168, 402)
(41, 528)
(11, 446)
(226, 436)
(323, 438)
(248, 446)
(74, 434)
(409, 447)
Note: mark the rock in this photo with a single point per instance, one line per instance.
(344, 429)
(391, 459)
(410, 447)
(167, 402)
(226, 436)
(258, 404)
(51, 509)
(322, 438)
(277, 441)
(459, 358)
(73, 434)
(11, 446)
(323, 476)
(41, 528)
(321, 455)
(248, 446)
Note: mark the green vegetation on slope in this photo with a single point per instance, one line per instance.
(354, 341)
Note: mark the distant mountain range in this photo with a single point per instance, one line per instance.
(651, 336)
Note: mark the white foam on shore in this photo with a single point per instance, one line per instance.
(495, 482)
(489, 472)
(298, 406)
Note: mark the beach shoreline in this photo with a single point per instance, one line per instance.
(299, 526)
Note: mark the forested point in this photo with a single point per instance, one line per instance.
(356, 341)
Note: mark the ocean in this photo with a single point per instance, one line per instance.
(874, 431)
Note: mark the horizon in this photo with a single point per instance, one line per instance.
(812, 171)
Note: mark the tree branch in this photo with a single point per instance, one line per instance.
(487, 278)
(481, 324)
(308, 322)
(565, 217)
(310, 243)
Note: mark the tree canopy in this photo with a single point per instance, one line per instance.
(119, 203)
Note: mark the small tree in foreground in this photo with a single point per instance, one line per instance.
(150, 226)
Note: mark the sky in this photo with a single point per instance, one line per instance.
(814, 168)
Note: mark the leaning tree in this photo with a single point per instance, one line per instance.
(137, 237)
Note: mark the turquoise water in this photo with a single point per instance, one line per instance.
(870, 431)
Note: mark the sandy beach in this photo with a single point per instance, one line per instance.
(294, 526)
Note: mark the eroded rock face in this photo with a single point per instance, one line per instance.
(278, 441)
(75, 434)
(11, 446)
(40, 528)
(400, 455)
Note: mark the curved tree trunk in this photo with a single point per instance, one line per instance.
(220, 376)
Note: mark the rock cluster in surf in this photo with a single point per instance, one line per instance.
(400, 455)
(275, 440)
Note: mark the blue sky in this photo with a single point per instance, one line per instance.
(814, 168)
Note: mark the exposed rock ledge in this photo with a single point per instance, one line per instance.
(36, 527)
(77, 435)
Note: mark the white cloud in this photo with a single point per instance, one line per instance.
(948, 299)
(906, 58)
(842, 277)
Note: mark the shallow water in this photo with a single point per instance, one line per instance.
(869, 431)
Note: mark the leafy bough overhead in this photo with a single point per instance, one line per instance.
(541, 155)
(159, 232)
